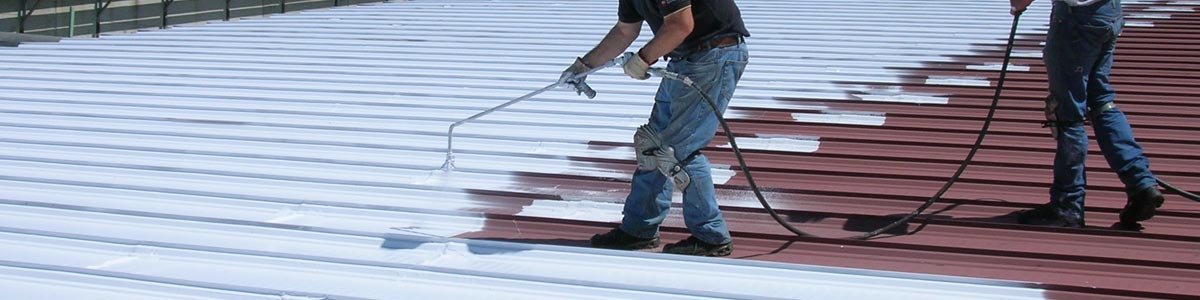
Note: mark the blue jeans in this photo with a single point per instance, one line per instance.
(1078, 56)
(686, 122)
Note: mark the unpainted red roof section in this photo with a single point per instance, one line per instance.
(864, 177)
(260, 144)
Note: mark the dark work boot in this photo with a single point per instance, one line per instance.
(1141, 205)
(1046, 215)
(694, 246)
(618, 239)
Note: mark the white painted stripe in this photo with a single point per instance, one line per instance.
(995, 66)
(466, 264)
(804, 144)
(841, 117)
(958, 81)
(721, 174)
(1027, 53)
(1170, 9)
(29, 283)
(1148, 16)
(574, 210)
(1146, 24)
(114, 262)
(916, 98)
(305, 127)
(310, 277)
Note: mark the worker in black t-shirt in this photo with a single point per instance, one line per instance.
(702, 40)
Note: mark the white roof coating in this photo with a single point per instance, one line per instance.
(296, 156)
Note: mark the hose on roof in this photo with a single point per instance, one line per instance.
(448, 166)
(962, 167)
(946, 187)
(1181, 192)
(987, 123)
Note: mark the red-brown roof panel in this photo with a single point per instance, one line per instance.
(303, 152)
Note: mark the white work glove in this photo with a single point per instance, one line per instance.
(568, 77)
(635, 67)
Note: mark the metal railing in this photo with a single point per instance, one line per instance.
(100, 10)
(23, 14)
(26, 9)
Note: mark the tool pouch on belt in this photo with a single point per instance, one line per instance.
(672, 168)
(1051, 116)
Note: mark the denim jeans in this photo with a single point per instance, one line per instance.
(1078, 56)
(686, 122)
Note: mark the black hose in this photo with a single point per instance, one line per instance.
(946, 187)
(962, 167)
(1181, 192)
(987, 123)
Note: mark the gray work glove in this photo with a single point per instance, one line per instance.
(568, 77)
(672, 168)
(1051, 116)
(645, 142)
(635, 67)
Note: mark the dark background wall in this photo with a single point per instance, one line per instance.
(52, 17)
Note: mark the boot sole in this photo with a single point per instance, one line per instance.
(1146, 211)
(718, 252)
(635, 246)
(722, 251)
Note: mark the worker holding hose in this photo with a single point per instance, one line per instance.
(1078, 57)
(701, 40)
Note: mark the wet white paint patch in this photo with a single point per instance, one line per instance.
(721, 174)
(996, 67)
(958, 81)
(573, 207)
(797, 143)
(1027, 53)
(291, 297)
(1170, 9)
(574, 210)
(113, 262)
(1148, 16)
(1139, 24)
(841, 117)
(906, 98)
(896, 94)
(236, 206)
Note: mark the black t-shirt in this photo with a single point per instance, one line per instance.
(713, 18)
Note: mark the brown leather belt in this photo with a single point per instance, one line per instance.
(719, 43)
(707, 45)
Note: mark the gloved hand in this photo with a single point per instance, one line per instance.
(1051, 116)
(671, 167)
(645, 142)
(635, 67)
(568, 77)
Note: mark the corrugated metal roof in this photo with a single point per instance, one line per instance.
(297, 157)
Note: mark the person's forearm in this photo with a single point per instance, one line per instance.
(618, 39)
(675, 29)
